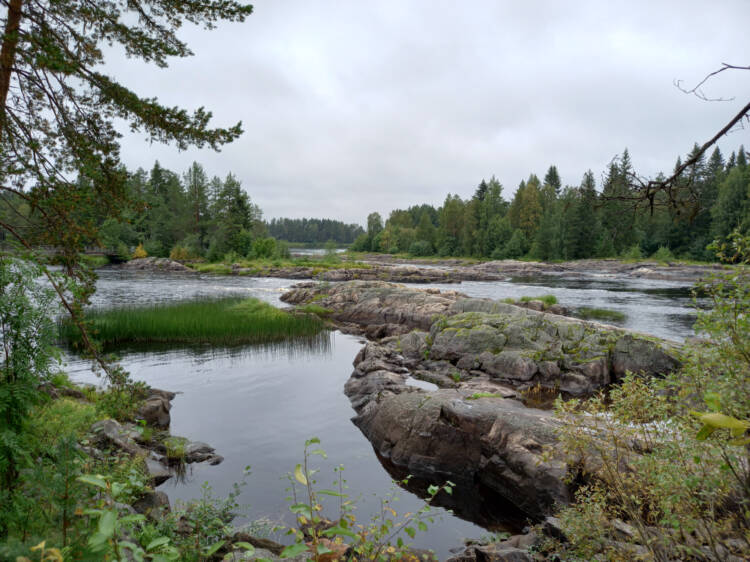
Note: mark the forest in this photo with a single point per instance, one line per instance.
(314, 231)
(546, 221)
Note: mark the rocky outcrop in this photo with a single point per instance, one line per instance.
(502, 269)
(156, 264)
(513, 345)
(465, 434)
(484, 356)
(370, 303)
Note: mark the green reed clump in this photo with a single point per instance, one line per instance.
(605, 314)
(227, 321)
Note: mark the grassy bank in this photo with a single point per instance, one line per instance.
(228, 321)
(259, 266)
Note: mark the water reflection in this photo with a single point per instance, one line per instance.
(295, 348)
(471, 501)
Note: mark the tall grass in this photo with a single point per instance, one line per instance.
(227, 321)
(604, 314)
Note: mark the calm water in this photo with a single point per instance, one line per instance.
(258, 405)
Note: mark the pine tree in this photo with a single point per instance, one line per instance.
(552, 178)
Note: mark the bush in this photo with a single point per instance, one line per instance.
(155, 248)
(179, 253)
(632, 253)
(669, 455)
(139, 252)
(361, 244)
(27, 332)
(421, 248)
(663, 254)
(264, 247)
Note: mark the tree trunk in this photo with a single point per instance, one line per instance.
(8, 54)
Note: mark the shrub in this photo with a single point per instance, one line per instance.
(264, 247)
(632, 253)
(421, 248)
(155, 248)
(669, 456)
(27, 334)
(663, 254)
(179, 253)
(139, 252)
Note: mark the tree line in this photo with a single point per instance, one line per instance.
(188, 215)
(314, 231)
(547, 221)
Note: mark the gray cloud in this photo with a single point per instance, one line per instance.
(350, 107)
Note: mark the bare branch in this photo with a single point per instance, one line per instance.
(696, 90)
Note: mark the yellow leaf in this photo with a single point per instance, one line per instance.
(40, 546)
(54, 555)
(299, 475)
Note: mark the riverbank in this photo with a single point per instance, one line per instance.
(378, 267)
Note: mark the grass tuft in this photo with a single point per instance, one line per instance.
(548, 300)
(228, 321)
(606, 314)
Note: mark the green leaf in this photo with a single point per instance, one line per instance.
(331, 493)
(432, 490)
(705, 431)
(213, 548)
(339, 530)
(322, 549)
(294, 550)
(246, 546)
(713, 401)
(302, 509)
(740, 442)
(299, 475)
(410, 531)
(422, 526)
(107, 523)
(721, 421)
(156, 543)
(312, 441)
(93, 480)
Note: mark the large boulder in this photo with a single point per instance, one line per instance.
(155, 408)
(375, 302)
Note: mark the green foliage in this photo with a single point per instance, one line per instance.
(264, 248)
(668, 456)
(421, 248)
(548, 300)
(632, 253)
(604, 314)
(226, 321)
(383, 538)
(28, 355)
(662, 254)
(478, 395)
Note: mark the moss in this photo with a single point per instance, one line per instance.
(478, 395)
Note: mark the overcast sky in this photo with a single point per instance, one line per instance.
(351, 106)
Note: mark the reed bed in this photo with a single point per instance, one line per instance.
(226, 321)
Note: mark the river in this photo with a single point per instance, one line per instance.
(257, 405)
